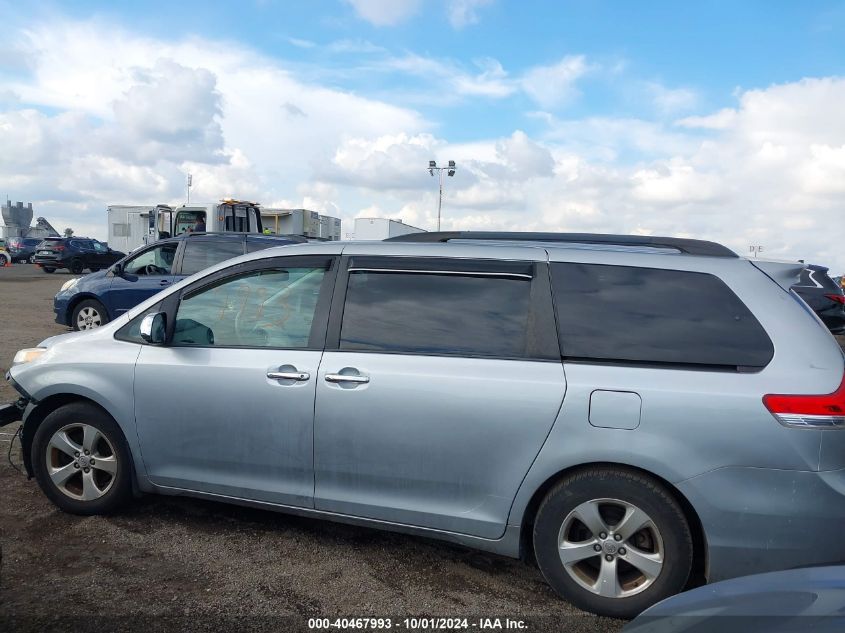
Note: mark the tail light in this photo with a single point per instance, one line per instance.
(837, 298)
(57, 247)
(825, 411)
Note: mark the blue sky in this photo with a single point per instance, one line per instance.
(652, 117)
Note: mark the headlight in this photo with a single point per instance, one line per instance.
(70, 283)
(28, 355)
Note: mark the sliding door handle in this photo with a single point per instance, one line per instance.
(346, 378)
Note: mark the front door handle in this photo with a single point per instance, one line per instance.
(346, 378)
(299, 376)
(164, 282)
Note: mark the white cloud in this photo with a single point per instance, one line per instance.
(554, 86)
(671, 100)
(464, 12)
(385, 12)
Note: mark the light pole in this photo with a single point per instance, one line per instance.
(450, 171)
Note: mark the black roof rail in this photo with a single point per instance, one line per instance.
(684, 245)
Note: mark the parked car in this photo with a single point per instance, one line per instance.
(824, 296)
(74, 253)
(793, 601)
(92, 301)
(609, 406)
(22, 249)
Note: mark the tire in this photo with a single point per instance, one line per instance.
(76, 266)
(89, 315)
(107, 484)
(31, 259)
(662, 547)
(3, 260)
(48, 270)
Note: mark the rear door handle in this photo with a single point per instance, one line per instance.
(299, 376)
(346, 378)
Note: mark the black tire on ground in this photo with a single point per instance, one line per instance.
(76, 266)
(48, 270)
(117, 493)
(95, 309)
(31, 259)
(631, 488)
(3, 260)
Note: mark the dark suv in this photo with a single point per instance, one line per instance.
(22, 249)
(74, 253)
(824, 296)
(94, 300)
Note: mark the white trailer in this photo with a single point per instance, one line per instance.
(132, 226)
(381, 228)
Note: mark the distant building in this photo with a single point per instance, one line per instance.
(17, 219)
(381, 228)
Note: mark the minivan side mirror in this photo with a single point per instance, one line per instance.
(154, 328)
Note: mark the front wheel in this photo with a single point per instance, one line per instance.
(3, 260)
(31, 259)
(81, 460)
(76, 267)
(49, 270)
(612, 541)
(88, 315)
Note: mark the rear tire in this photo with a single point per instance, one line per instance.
(612, 541)
(49, 270)
(89, 315)
(67, 474)
(31, 259)
(3, 260)
(76, 267)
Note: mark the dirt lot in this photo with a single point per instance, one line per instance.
(181, 564)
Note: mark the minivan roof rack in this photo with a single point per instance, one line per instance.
(684, 245)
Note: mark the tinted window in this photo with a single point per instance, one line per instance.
(436, 314)
(156, 261)
(652, 315)
(200, 253)
(266, 308)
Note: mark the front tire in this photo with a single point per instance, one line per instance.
(3, 260)
(89, 315)
(612, 541)
(81, 460)
(48, 270)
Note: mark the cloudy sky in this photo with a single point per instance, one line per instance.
(720, 120)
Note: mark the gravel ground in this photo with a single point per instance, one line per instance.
(178, 564)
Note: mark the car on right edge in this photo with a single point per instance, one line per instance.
(635, 414)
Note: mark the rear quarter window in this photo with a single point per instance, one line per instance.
(654, 316)
(200, 253)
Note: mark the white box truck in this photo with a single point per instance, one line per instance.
(133, 226)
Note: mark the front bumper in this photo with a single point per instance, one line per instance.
(757, 519)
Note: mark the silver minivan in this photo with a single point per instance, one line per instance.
(634, 414)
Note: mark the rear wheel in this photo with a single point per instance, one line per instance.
(612, 541)
(76, 266)
(49, 270)
(3, 259)
(81, 460)
(88, 315)
(31, 259)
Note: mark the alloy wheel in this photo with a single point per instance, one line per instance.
(88, 319)
(81, 462)
(611, 548)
